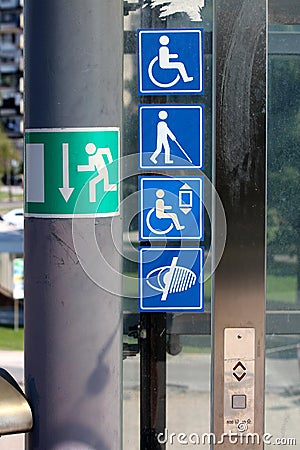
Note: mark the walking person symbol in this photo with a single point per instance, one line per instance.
(162, 141)
(96, 162)
(163, 133)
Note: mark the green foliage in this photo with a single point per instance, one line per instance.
(284, 181)
(282, 289)
(11, 339)
(284, 156)
(283, 214)
(8, 152)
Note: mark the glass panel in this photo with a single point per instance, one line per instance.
(188, 392)
(187, 363)
(283, 251)
(283, 389)
(283, 173)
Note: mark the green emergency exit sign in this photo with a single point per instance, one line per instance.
(72, 172)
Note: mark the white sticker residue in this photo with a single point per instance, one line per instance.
(191, 7)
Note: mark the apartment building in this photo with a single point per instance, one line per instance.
(11, 69)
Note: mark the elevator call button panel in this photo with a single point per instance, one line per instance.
(239, 370)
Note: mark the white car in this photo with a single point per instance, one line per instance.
(14, 217)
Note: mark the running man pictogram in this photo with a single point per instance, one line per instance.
(96, 162)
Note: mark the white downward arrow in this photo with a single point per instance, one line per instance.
(66, 191)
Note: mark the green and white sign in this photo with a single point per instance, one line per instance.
(72, 172)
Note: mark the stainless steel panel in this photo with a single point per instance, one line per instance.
(240, 179)
(239, 369)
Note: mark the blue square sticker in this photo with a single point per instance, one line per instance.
(170, 61)
(171, 279)
(171, 208)
(171, 136)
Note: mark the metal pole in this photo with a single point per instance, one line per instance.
(73, 78)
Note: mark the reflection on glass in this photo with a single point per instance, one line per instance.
(283, 280)
(283, 388)
(283, 234)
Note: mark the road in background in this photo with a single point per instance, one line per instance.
(6, 205)
(188, 385)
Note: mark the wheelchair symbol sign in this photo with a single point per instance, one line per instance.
(170, 61)
(171, 208)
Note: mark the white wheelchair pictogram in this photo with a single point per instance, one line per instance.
(157, 83)
(165, 61)
(155, 230)
(160, 211)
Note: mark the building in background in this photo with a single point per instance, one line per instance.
(11, 69)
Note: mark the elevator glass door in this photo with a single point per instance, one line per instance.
(174, 372)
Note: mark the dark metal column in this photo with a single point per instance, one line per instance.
(73, 78)
(153, 343)
(240, 172)
(153, 379)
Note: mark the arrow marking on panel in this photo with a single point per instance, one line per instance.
(184, 188)
(239, 378)
(66, 190)
(239, 365)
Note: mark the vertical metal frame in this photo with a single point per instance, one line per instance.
(152, 380)
(153, 334)
(240, 179)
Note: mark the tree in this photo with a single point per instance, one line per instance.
(284, 160)
(8, 153)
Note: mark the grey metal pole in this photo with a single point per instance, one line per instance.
(73, 78)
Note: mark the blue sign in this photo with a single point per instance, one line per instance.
(171, 279)
(170, 61)
(171, 136)
(171, 208)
